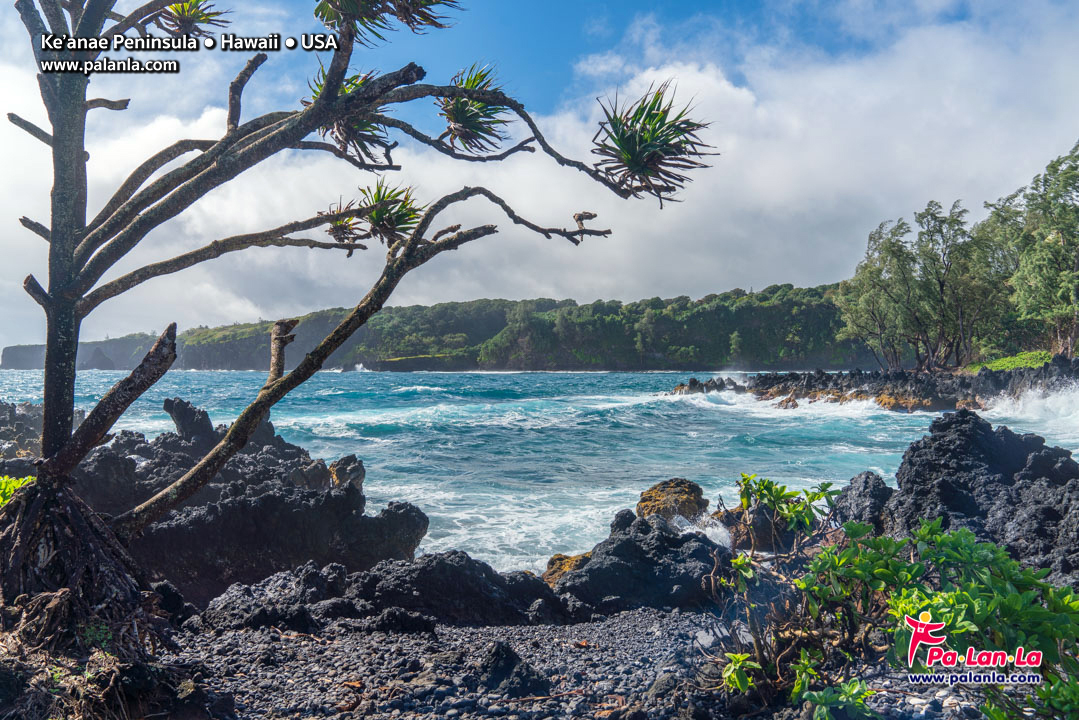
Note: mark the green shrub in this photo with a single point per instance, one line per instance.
(1033, 359)
(8, 486)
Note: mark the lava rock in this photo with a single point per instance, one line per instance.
(647, 564)
(669, 498)
(863, 500)
(1006, 488)
(456, 589)
(503, 672)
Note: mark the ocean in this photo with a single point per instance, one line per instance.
(514, 467)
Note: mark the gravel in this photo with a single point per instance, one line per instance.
(636, 665)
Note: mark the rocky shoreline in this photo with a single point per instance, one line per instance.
(288, 601)
(898, 390)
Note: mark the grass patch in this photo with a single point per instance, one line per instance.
(1033, 359)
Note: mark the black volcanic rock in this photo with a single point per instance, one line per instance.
(1006, 488)
(271, 508)
(244, 537)
(192, 424)
(863, 500)
(901, 390)
(456, 589)
(645, 563)
(394, 596)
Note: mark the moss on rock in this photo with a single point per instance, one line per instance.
(676, 496)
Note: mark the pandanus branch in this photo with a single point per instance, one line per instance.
(277, 237)
(109, 409)
(407, 254)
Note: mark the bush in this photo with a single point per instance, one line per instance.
(1033, 359)
(8, 486)
(852, 596)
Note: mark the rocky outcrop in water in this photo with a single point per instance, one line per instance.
(1006, 488)
(271, 508)
(899, 390)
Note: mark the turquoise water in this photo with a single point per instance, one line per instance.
(513, 467)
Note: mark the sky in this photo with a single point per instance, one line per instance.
(828, 117)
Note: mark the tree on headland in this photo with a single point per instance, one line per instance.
(56, 549)
(1045, 224)
(932, 297)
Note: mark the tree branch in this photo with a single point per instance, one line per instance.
(140, 16)
(279, 340)
(236, 89)
(574, 236)
(107, 104)
(496, 97)
(36, 228)
(338, 152)
(116, 401)
(33, 289)
(55, 15)
(276, 237)
(143, 172)
(523, 146)
(30, 128)
(286, 135)
(35, 27)
(106, 226)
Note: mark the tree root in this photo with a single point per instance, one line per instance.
(67, 585)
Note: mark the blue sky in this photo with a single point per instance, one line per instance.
(830, 117)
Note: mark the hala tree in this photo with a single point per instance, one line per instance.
(57, 552)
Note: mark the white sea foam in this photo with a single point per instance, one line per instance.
(419, 389)
(1052, 415)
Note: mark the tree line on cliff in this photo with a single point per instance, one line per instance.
(778, 327)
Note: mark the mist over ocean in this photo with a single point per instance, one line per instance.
(514, 467)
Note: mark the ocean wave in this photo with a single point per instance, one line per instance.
(419, 389)
(1054, 415)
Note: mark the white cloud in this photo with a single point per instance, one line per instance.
(815, 150)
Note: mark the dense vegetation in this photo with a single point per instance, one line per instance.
(778, 327)
(953, 293)
(831, 599)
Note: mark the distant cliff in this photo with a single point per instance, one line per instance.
(781, 327)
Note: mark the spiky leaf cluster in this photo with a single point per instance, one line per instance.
(354, 134)
(369, 20)
(646, 146)
(473, 124)
(346, 230)
(193, 17)
(396, 211)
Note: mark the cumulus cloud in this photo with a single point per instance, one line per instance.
(816, 148)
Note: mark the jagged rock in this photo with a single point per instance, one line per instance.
(394, 596)
(899, 390)
(254, 531)
(669, 498)
(560, 564)
(1006, 488)
(98, 360)
(348, 470)
(192, 423)
(648, 563)
(456, 589)
(755, 529)
(863, 500)
(503, 672)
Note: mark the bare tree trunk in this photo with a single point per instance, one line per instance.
(60, 354)
(68, 211)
